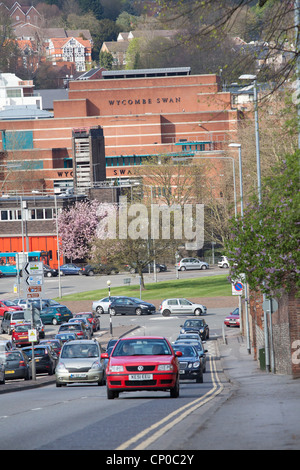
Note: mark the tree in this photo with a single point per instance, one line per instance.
(264, 245)
(106, 60)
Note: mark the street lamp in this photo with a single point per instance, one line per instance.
(110, 319)
(254, 79)
(240, 175)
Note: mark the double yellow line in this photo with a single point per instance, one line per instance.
(176, 416)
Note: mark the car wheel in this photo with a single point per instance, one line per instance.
(225, 265)
(58, 384)
(197, 312)
(204, 266)
(54, 321)
(113, 312)
(174, 392)
(199, 379)
(166, 313)
(138, 311)
(49, 274)
(91, 273)
(2, 382)
(111, 394)
(183, 268)
(99, 310)
(132, 271)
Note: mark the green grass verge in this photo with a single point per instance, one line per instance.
(208, 286)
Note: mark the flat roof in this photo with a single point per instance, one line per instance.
(161, 72)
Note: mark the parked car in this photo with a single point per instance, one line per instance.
(131, 306)
(77, 328)
(91, 270)
(45, 358)
(66, 336)
(223, 263)
(199, 326)
(37, 303)
(10, 320)
(55, 315)
(191, 263)
(50, 272)
(149, 267)
(80, 361)
(142, 363)
(189, 336)
(197, 345)
(179, 305)
(189, 363)
(233, 319)
(8, 306)
(17, 365)
(92, 319)
(56, 343)
(70, 268)
(101, 306)
(86, 323)
(20, 335)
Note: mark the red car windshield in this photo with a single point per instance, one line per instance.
(142, 347)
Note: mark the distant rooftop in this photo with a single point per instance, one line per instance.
(11, 113)
(140, 73)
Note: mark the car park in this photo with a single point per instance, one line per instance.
(20, 335)
(131, 306)
(199, 326)
(101, 306)
(50, 272)
(233, 319)
(80, 362)
(8, 306)
(45, 358)
(17, 365)
(181, 306)
(142, 363)
(91, 318)
(191, 263)
(69, 269)
(189, 363)
(11, 319)
(86, 323)
(91, 270)
(66, 336)
(77, 328)
(198, 345)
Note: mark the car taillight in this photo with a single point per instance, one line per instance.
(80, 333)
(22, 363)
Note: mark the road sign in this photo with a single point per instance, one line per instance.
(32, 336)
(270, 305)
(33, 279)
(237, 288)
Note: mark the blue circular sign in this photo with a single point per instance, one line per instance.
(238, 286)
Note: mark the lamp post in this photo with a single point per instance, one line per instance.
(110, 319)
(233, 145)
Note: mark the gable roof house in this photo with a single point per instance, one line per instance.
(75, 50)
(21, 14)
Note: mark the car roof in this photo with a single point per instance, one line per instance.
(83, 341)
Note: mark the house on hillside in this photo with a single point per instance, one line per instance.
(75, 50)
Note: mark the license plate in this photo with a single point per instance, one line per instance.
(78, 376)
(182, 371)
(9, 371)
(141, 377)
(232, 321)
(23, 337)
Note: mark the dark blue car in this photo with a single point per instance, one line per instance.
(70, 268)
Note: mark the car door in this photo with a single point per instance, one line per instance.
(173, 306)
(185, 306)
(195, 264)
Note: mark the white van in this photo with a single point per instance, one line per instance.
(224, 263)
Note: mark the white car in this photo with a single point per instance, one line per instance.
(224, 263)
(101, 306)
(179, 305)
(191, 263)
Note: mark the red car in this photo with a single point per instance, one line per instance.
(233, 319)
(93, 319)
(20, 335)
(8, 306)
(142, 363)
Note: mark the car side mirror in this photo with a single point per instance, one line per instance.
(178, 353)
(104, 355)
(205, 350)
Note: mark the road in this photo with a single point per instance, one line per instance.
(75, 417)
(75, 284)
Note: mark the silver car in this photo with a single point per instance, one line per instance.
(101, 306)
(179, 305)
(80, 362)
(191, 263)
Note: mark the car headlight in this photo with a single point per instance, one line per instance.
(61, 367)
(116, 368)
(196, 364)
(165, 367)
(96, 365)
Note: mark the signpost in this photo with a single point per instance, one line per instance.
(33, 279)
